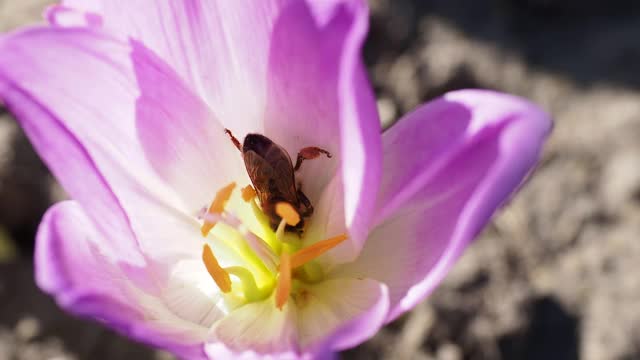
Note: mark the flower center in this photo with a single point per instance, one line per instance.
(255, 260)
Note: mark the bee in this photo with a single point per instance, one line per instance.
(272, 174)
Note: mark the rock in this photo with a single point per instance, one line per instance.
(18, 13)
(27, 328)
(621, 180)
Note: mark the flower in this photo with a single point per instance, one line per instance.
(128, 102)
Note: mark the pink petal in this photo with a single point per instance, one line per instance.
(59, 147)
(61, 15)
(332, 315)
(318, 95)
(440, 191)
(75, 13)
(181, 137)
(70, 266)
(219, 351)
(83, 121)
(289, 69)
(219, 47)
(342, 313)
(94, 6)
(259, 327)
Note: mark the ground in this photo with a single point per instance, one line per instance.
(553, 277)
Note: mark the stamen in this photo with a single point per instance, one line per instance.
(217, 206)
(219, 275)
(284, 280)
(311, 252)
(288, 213)
(248, 193)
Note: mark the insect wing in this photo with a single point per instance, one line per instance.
(271, 174)
(283, 179)
(260, 173)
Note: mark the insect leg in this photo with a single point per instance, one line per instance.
(309, 153)
(233, 139)
(307, 204)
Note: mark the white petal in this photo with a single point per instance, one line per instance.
(328, 221)
(340, 313)
(259, 326)
(334, 314)
(192, 295)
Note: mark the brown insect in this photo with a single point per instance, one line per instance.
(272, 174)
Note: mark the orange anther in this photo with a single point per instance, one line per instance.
(288, 213)
(311, 252)
(217, 206)
(284, 280)
(219, 275)
(248, 193)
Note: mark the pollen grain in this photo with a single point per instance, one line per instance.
(248, 193)
(288, 213)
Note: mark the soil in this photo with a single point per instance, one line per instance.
(555, 276)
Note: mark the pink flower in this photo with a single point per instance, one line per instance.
(127, 102)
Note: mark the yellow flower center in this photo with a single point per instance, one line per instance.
(267, 260)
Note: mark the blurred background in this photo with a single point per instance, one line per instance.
(555, 276)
